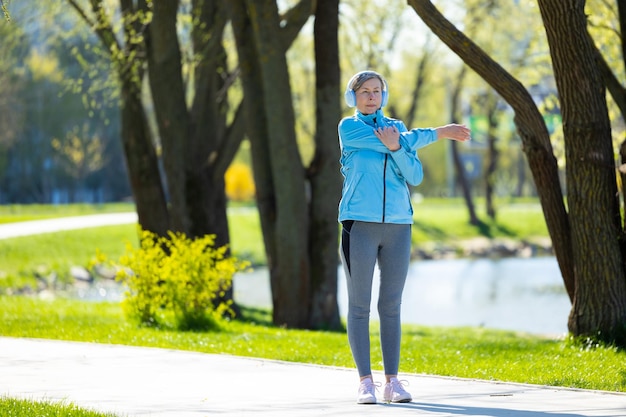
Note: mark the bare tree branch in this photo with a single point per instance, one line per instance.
(5, 10)
(295, 18)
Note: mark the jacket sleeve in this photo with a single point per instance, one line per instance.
(415, 139)
(409, 165)
(356, 134)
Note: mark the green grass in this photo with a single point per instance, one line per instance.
(53, 254)
(461, 352)
(448, 221)
(14, 407)
(442, 221)
(25, 212)
(246, 238)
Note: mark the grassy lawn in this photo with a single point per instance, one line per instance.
(447, 220)
(53, 254)
(442, 221)
(14, 407)
(461, 352)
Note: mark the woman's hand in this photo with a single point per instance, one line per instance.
(454, 131)
(389, 136)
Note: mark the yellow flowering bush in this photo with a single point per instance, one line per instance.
(176, 281)
(239, 183)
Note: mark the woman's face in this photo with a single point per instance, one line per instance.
(369, 96)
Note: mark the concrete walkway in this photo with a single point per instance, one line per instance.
(132, 381)
(34, 227)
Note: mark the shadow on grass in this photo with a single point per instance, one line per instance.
(483, 228)
(492, 229)
(260, 316)
(435, 233)
(263, 317)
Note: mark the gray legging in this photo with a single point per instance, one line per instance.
(362, 245)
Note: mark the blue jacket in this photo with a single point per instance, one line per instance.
(376, 180)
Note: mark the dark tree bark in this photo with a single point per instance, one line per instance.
(323, 173)
(587, 240)
(197, 144)
(279, 173)
(489, 102)
(492, 162)
(618, 92)
(531, 127)
(142, 162)
(212, 145)
(299, 220)
(420, 83)
(256, 124)
(461, 175)
(168, 96)
(599, 305)
(521, 175)
(140, 155)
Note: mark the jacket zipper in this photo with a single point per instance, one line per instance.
(385, 186)
(384, 177)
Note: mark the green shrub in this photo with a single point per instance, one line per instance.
(177, 282)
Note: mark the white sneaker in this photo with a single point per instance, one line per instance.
(395, 392)
(367, 392)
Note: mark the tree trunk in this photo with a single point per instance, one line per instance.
(206, 196)
(142, 162)
(461, 176)
(140, 155)
(622, 176)
(256, 124)
(168, 96)
(599, 306)
(290, 276)
(197, 146)
(531, 127)
(491, 106)
(323, 173)
(521, 175)
(279, 175)
(142, 159)
(420, 84)
(618, 93)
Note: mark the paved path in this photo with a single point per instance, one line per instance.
(34, 227)
(132, 381)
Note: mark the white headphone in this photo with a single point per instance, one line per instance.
(350, 95)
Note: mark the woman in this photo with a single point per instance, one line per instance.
(378, 161)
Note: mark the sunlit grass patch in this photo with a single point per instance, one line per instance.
(15, 407)
(466, 352)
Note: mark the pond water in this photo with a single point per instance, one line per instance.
(520, 294)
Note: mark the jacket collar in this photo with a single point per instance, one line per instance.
(371, 119)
